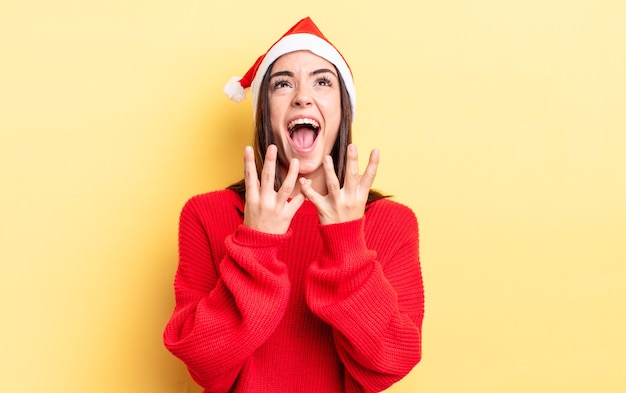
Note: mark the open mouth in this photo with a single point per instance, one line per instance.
(303, 132)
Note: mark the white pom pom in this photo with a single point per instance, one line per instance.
(234, 90)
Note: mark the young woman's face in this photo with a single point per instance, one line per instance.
(305, 109)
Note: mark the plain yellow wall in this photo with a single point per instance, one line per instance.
(502, 124)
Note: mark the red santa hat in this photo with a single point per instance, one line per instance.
(304, 35)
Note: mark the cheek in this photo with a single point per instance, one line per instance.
(333, 120)
(332, 108)
(276, 120)
(278, 108)
(331, 139)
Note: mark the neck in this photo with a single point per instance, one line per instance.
(318, 183)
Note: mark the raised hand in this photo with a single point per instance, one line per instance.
(267, 210)
(347, 203)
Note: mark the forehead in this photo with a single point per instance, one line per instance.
(301, 60)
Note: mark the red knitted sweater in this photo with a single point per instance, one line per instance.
(322, 308)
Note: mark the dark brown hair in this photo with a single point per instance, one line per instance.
(263, 137)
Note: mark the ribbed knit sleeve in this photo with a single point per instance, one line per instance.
(225, 309)
(373, 301)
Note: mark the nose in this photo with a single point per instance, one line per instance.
(302, 97)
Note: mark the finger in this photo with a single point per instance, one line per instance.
(286, 189)
(332, 183)
(351, 180)
(294, 203)
(309, 192)
(269, 170)
(367, 180)
(251, 178)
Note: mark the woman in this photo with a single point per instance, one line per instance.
(298, 278)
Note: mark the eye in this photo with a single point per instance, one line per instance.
(280, 84)
(324, 81)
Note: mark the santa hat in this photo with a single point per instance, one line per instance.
(304, 35)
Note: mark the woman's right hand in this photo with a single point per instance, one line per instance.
(267, 210)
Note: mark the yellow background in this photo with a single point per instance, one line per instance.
(502, 124)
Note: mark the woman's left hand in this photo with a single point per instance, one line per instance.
(347, 203)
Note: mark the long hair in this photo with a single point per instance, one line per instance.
(263, 137)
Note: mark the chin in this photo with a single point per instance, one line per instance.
(308, 167)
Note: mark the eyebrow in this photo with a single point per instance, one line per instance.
(323, 71)
(291, 74)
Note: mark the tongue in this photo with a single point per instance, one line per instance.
(303, 138)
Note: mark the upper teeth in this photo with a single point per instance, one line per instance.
(304, 120)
